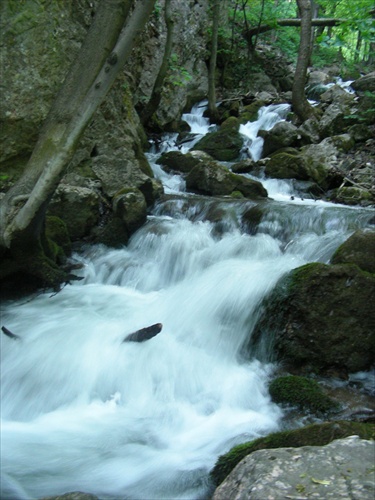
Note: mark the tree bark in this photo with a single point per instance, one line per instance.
(155, 98)
(103, 54)
(300, 104)
(212, 109)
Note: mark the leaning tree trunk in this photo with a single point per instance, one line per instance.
(156, 94)
(103, 54)
(301, 106)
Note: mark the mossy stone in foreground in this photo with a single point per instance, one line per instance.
(302, 392)
(312, 435)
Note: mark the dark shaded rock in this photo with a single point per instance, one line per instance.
(211, 178)
(366, 82)
(301, 392)
(320, 317)
(287, 165)
(252, 218)
(341, 469)
(130, 206)
(78, 207)
(224, 145)
(177, 162)
(282, 135)
(75, 495)
(243, 166)
(359, 249)
(311, 435)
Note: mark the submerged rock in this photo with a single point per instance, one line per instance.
(341, 469)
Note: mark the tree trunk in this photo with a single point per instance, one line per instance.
(102, 55)
(301, 106)
(155, 98)
(212, 109)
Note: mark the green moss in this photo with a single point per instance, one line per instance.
(302, 392)
(237, 194)
(312, 435)
(57, 233)
(231, 123)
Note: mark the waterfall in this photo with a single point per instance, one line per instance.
(83, 411)
(268, 116)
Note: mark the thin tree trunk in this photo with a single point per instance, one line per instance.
(156, 94)
(103, 54)
(212, 109)
(301, 106)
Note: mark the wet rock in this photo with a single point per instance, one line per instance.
(366, 82)
(75, 495)
(175, 161)
(341, 469)
(311, 435)
(318, 318)
(359, 249)
(131, 207)
(282, 135)
(78, 207)
(224, 145)
(212, 178)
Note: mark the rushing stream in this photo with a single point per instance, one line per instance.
(83, 411)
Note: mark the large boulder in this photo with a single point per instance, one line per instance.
(212, 178)
(341, 469)
(282, 135)
(78, 207)
(359, 249)
(223, 145)
(287, 164)
(320, 318)
(131, 207)
(175, 161)
(366, 82)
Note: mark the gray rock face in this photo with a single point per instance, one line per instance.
(366, 82)
(343, 469)
(282, 135)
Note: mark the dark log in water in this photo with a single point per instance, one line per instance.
(9, 334)
(144, 334)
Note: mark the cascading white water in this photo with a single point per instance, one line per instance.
(81, 410)
(268, 116)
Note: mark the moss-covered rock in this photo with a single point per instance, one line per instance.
(304, 393)
(319, 318)
(57, 232)
(287, 165)
(223, 145)
(312, 435)
(177, 161)
(359, 249)
(352, 195)
(130, 206)
(212, 178)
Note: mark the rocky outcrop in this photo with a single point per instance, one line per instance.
(320, 318)
(366, 82)
(341, 469)
(37, 47)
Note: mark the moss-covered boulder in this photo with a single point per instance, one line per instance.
(223, 145)
(282, 135)
(57, 233)
(311, 435)
(78, 207)
(301, 392)
(352, 195)
(212, 178)
(359, 249)
(175, 161)
(287, 164)
(320, 318)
